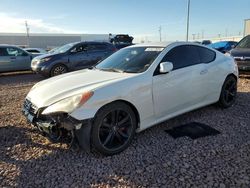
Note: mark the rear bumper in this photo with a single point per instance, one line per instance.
(53, 126)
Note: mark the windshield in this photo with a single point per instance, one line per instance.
(133, 60)
(63, 48)
(244, 43)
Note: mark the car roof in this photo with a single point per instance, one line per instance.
(33, 49)
(8, 45)
(91, 42)
(163, 44)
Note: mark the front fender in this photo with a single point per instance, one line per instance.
(136, 91)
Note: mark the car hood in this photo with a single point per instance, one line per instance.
(36, 54)
(39, 57)
(52, 90)
(240, 52)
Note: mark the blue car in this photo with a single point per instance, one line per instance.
(223, 46)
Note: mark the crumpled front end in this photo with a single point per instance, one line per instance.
(59, 126)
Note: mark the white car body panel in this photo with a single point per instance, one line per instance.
(156, 98)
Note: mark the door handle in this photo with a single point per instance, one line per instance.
(13, 58)
(205, 71)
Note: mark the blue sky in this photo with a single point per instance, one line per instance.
(140, 18)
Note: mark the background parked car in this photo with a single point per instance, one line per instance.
(121, 41)
(223, 46)
(13, 58)
(241, 54)
(206, 42)
(72, 56)
(122, 38)
(35, 51)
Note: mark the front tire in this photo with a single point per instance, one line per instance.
(58, 69)
(113, 128)
(228, 92)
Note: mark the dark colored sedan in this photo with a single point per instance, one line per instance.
(223, 46)
(70, 57)
(241, 54)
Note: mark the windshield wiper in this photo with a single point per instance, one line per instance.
(92, 67)
(127, 71)
(112, 70)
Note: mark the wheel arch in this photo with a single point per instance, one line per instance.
(233, 75)
(230, 74)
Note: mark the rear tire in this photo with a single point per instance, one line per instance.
(113, 128)
(228, 92)
(58, 69)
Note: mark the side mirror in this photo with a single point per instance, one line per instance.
(233, 46)
(166, 67)
(73, 51)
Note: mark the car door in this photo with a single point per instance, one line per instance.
(78, 57)
(97, 52)
(14, 59)
(179, 89)
(19, 59)
(6, 64)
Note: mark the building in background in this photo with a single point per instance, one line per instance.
(247, 27)
(48, 41)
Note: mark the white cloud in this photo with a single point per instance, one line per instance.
(10, 23)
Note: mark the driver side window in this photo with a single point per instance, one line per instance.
(182, 56)
(12, 51)
(79, 49)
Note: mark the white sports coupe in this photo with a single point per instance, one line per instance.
(135, 88)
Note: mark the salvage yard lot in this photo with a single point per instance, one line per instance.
(27, 159)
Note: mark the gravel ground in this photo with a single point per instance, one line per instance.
(154, 159)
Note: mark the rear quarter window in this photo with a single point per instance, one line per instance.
(206, 55)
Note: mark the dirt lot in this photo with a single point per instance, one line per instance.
(154, 159)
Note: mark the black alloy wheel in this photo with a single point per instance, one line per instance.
(113, 129)
(228, 93)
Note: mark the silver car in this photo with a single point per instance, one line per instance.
(13, 58)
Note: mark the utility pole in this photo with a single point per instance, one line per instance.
(160, 32)
(188, 10)
(219, 35)
(193, 36)
(27, 32)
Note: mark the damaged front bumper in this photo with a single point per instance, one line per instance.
(58, 125)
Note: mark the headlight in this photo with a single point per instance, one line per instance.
(45, 59)
(227, 54)
(69, 104)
